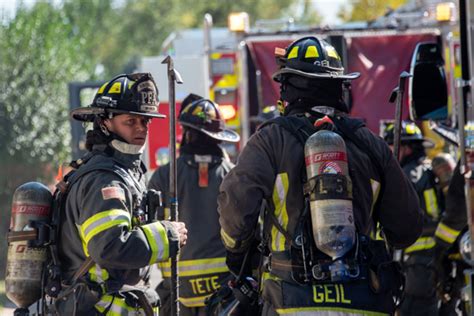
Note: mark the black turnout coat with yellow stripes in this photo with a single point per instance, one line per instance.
(99, 222)
(270, 168)
(201, 264)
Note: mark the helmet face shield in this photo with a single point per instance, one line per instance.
(204, 115)
(125, 94)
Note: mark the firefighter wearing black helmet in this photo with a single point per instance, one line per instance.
(201, 166)
(105, 245)
(420, 287)
(299, 279)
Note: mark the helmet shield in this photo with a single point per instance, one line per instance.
(204, 115)
(125, 94)
(312, 58)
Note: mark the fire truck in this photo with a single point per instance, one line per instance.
(233, 66)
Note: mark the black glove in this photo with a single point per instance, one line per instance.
(235, 260)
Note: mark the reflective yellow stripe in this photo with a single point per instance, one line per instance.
(422, 243)
(229, 242)
(103, 221)
(196, 267)
(375, 193)
(331, 51)
(158, 240)
(431, 203)
(116, 88)
(446, 233)
(307, 311)
(280, 192)
(118, 307)
(311, 52)
(193, 301)
(97, 274)
(293, 53)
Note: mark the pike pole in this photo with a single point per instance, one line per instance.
(397, 124)
(397, 96)
(173, 76)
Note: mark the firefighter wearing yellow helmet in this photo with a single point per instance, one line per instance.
(107, 240)
(327, 182)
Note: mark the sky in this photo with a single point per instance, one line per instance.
(327, 8)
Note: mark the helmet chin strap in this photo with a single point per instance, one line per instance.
(121, 144)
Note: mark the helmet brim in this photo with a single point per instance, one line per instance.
(88, 114)
(225, 135)
(277, 75)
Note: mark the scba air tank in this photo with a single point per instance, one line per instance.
(332, 216)
(25, 264)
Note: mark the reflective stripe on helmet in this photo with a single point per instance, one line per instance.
(280, 192)
(100, 222)
(158, 240)
(196, 267)
(446, 233)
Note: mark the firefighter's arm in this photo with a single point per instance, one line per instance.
(454, 218)
(105, 228)
(399, 214)
(242, 191)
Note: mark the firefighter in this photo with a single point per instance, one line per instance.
(202, 165)
(105, 248)
(299, 278)
(450, 279)
(420, 287)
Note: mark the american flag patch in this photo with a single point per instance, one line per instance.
(113, 193)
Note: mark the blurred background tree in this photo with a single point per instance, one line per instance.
(367, 10)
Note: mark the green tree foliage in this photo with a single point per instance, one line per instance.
(367, 10)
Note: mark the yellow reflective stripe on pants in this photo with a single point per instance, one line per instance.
(97, 274)
(323, 311)
(194, 301)
(195, 267)
(431, 203)
(422, 243)
(446, 233)
(158, 240)
(280, 192)
(102, 221)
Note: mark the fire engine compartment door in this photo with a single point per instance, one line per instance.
(428, 91)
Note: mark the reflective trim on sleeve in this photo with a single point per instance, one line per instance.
(228, 241)
(196, 267)
(117, 306)
(103, 221)
(375, 185)
(280, 192)
(431, 203)
(158, 240)
(446, 233)
(194, 301)
(422, 243)
(309, 311)
(97, 274)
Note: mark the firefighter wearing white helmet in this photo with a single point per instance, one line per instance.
(327, 182)
(201, 166)
(107, 236)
